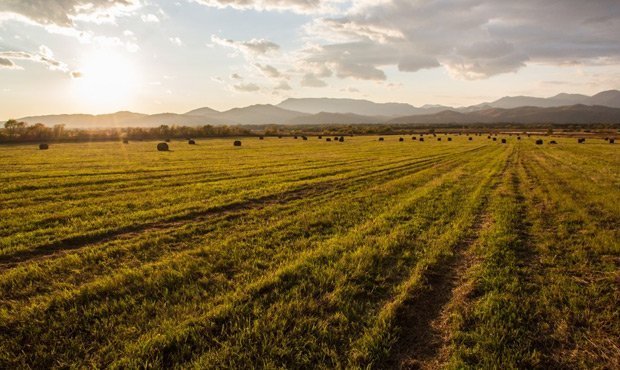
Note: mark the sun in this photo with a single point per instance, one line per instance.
(105, 80)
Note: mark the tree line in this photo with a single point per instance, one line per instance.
(16, 131)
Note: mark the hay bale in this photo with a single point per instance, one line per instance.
(341, 139)
(279, 136)
(438, 139)
(125, 141)
(167, 140)
(503, 141)
(191, 142)
(414, 138)
(237, 143)
(552, 142)
(518, 137)
(304, 138)
(381, 139)
(162, 147)
(261, 138)
(449, 139)
(494, 139)
(44, 146)
(611, 141)
(320, 137)
(421, 139)
(470, 138)
(581, 140)
(328, 139)
(401, 139)
(488, 137)
(539, 142)
(295, 137)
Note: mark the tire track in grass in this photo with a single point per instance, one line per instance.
(423, 300)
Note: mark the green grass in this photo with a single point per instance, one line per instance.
(290, 253)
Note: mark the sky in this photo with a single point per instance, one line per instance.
(152, 56)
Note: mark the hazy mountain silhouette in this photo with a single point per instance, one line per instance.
(561, 108)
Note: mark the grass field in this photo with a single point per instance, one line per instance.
(311, 254)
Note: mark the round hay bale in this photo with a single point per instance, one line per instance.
(401, 139)
(381, 139)
(261, 138)
(295, 137)
(279, 136)
(488, 137)
(328, 139)
(304, 138)
(581, 140)
(518, 137)
(237, 143)
(470, 138)
(191, 142)
(503, 141)
(611, 141)
(341, 139)
(320, 137)
(494, 139)
(539, 142)
(552, 142)
(44, 146)
(414, 138)
(162, 147)
(167, 140)
(421, 139)
(438, 139)
(449, 139)
(125, 141)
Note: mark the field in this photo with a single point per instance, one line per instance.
(311, 254)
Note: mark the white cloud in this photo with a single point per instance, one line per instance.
(297, 6)
(236, 76)
(63, 13)
(252, 47)
(268, 71)
(176, 40)
(149, 18)
(45, 57)
(249, 87)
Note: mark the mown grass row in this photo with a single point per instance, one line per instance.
(54, 221)
(546, 292)
(188, 279)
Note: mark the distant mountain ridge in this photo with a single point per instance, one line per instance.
(561, 108)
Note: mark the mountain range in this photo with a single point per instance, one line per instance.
(603, 107)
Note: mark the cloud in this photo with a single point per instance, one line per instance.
(471, 39)
(253, 47)
(236, 76)
(297, 6)
(176, 40)
(149, 18)
(249, 87)
(63, 13)
(76, 74)
(283, 85)
(310, 80)
(268, 71)
(44, 56)
(7, 64)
